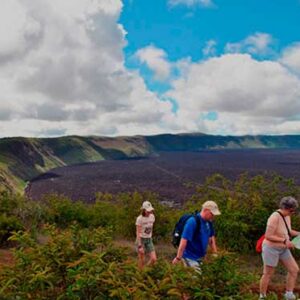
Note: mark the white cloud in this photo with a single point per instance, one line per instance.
(291, 57)
(190, 3)
(249, 96)
(156, 60)
(62, 70)
(210, 48)
(19, 31)
(258, 43)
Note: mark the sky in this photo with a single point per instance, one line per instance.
(138, 67)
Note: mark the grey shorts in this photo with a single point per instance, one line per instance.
(147, 244)
(271, 255)
(195, 264)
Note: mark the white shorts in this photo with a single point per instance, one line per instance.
(195, 264)
(271, 255)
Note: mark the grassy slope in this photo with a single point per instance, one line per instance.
(21, 159)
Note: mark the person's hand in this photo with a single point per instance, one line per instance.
(289, 244)
(176, 260)
(141, 249)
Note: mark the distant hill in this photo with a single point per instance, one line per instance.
(22, 159)
(196, 142)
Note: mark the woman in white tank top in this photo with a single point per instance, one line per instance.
(144, 227)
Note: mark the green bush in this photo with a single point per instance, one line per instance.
(8, 224)
(62, 211)
(120, 213)
(76, 259)
(245, 204)
(41, 270)
(78, 263)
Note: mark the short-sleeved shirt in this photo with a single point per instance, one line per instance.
(147, 225)
(197, 243)
(276, 222)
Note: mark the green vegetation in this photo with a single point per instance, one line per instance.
(65, 250)
(78, 263)
(245, 204)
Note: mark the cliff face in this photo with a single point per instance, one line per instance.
(5, 183)
(22, 159)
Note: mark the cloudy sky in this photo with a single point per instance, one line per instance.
(112, 67)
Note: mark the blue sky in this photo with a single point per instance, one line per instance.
(113, 67)
(183, 30)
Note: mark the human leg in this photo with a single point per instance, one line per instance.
(153, 257)
(141, 254)
(293, 269)
(268, 272)
(141, 259)
(150, 250)
(270, 257)
(195, 264)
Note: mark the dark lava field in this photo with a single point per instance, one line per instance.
(166, 174)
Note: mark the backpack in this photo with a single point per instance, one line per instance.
(179, 226)
(258, 246)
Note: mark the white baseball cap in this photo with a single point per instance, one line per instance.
(212, 206)
(147, 206)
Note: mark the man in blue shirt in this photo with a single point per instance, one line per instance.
(193, 246)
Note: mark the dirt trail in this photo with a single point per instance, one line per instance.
(6, 257)
(278, 289)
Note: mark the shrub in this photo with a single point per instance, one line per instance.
(8, 224)
(245, 204)
(41, 270)
(62, 211)
(82, 264)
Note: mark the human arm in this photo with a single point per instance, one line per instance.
(138, 238)
(272, 237)
(181, 248)
(213, 244)
(187, 235)
(294, 232)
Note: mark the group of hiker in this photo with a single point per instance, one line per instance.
(198, 233)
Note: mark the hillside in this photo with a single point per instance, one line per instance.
(22, 159)
(195, 142)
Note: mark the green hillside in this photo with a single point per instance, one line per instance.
(21, 159)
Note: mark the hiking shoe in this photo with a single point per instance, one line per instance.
(289, 296)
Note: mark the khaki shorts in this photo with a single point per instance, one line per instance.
(147, 245)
